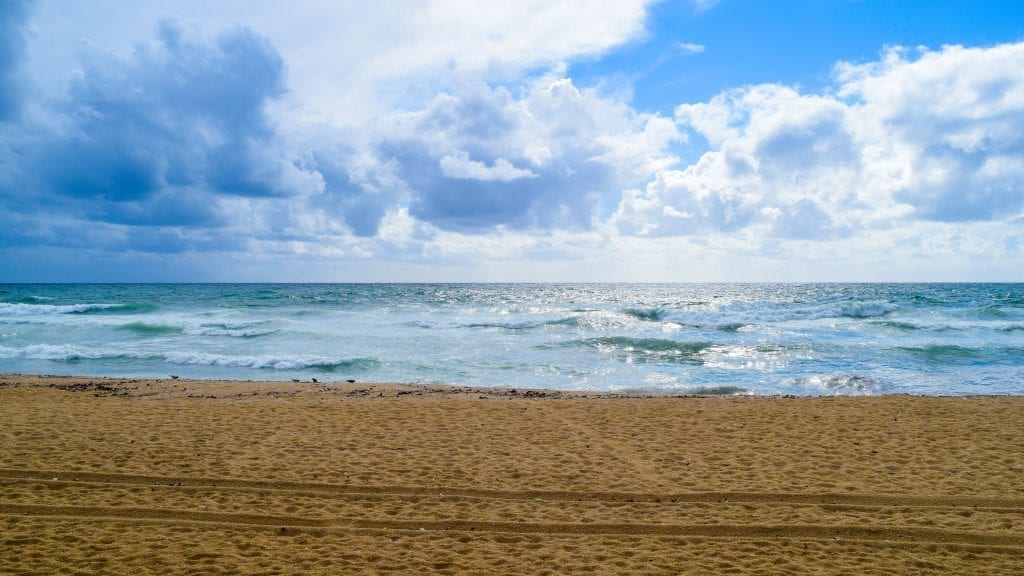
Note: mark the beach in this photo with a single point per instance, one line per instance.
(172, 476)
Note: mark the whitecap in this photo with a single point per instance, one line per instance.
(270, 362)
(40, 309)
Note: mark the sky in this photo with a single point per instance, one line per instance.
(437, 141)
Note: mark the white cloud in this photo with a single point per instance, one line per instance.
(935, 138)
(416, 140)
(548, 157)
(691, 48)
(458, 165)
(349, 60)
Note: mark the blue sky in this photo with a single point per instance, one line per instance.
(533, 141)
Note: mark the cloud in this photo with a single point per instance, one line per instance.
(510, 35)
(691, 48)
(13, 18)
(176, 134)
(351, 60)
(479, 155)
(158, 138)
(704, 5)
(938, 137)
(483, 158)
(956, 119)
(459, 166)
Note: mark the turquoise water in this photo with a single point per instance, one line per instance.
(810, 339)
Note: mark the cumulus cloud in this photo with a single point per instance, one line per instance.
(937, 137)
(159, 138)
(956, 118)
(176, 135)
(459, 166)
(350, 60)
(193, 142)
(509, 34)
(482, 157)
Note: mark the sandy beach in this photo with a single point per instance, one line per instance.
(125, 476)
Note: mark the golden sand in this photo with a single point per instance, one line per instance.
(104, 476)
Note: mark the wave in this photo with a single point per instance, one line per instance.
(716, 391)
(209, 331)
(842, 385)
(33, 299)
(118, 308)
(506, 325)
(62, 353)
(992, 311)
(323, 364)
(236, 325)
(928, 300)
(574, 321)
(147, 329)
(943, 353)
(646, 349)
(865, 309)
(604, 319)
(898, 325)
(237, 329)
(734, 318)
(1013, 300)
(40, 309)
(651, 314)
(23, 309)
(69, 353)
(982, 325)
(420, 324)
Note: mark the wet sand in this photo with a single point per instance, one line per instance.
(180, 477)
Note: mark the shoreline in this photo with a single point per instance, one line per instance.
(214, 387)
(136, 476)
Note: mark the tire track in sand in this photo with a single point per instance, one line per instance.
(1008, 543)
(311, 488)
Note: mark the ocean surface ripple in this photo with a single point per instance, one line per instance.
(805, 339)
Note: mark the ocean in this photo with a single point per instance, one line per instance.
(803, 339)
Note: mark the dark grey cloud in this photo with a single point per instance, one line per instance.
(142, 152)
(359, 197)
(182, 113)
(13, 17)
(156, 139)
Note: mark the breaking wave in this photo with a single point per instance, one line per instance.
(652, 314)
(61, 353)
(323, 364)
(646, 349)
(865, 309)
(506, 325)
(230, 332)
(40, 309)
(69, 353)
(842, 385)
(716, 391)
(33, 299)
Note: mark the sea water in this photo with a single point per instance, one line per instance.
(808, 339)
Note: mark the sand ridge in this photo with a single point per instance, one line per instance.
(147, 476)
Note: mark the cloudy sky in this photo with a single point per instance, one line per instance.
(521, 140)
